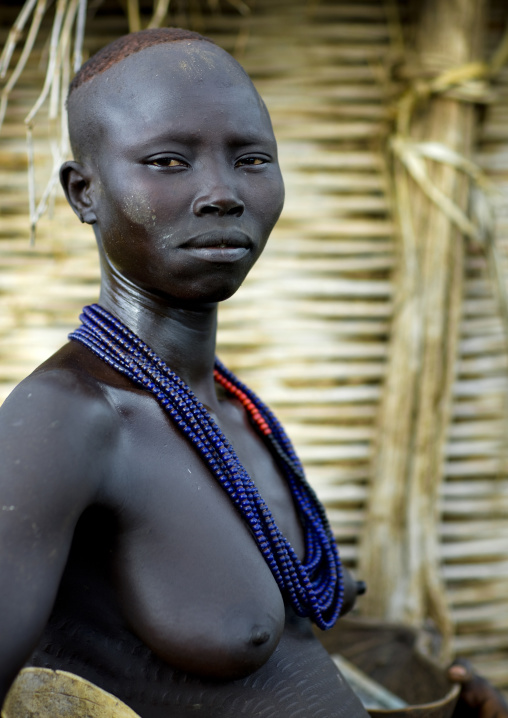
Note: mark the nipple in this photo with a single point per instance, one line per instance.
(259, 636)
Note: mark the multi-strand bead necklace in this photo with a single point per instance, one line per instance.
(314, 587)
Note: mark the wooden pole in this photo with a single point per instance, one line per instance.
(400, 549)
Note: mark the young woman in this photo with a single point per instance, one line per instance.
(160, 540)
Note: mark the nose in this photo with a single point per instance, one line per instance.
(220, 200)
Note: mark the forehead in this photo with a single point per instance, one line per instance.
(182, 83)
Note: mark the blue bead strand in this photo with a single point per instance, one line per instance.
(313, 587)
(147, 384)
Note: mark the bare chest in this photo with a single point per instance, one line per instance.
(187, 568)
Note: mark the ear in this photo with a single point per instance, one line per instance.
(75, 180)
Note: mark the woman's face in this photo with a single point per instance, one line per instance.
(186, 185)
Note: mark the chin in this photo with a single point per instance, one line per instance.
(222, 296)
(213, 295)
(198, 300)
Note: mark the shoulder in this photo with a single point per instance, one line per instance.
(58, 422)
(64, 387)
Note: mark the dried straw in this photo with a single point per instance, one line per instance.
(40, 9)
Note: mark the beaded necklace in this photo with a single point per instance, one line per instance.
(313, 587)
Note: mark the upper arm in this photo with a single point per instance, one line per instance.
(51, 442)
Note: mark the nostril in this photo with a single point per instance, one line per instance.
(235, 211)
(210, 209)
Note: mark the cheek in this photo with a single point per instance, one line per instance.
(137, 209)
(126, 200)
(274, 199)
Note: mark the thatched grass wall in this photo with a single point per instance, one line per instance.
(474, 528)
(310, 329)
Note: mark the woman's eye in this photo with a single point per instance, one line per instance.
(250, 161)
(167, 162)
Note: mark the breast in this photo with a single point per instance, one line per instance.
(88, 634)
(191, 581)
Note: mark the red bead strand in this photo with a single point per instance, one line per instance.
(244, 400)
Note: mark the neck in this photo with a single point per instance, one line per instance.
(184, 336)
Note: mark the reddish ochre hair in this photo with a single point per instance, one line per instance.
(127, 45)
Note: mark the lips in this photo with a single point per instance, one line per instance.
(225, 246)
(218, 240)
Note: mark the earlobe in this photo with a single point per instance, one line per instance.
(75, 180)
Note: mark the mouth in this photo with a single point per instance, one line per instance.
(224, 246)
(218, 239)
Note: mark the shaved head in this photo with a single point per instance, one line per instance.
(107, 79)
(128, 45)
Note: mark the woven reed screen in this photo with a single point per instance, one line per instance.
(310, 328)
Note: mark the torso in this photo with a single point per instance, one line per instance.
(166, 601)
